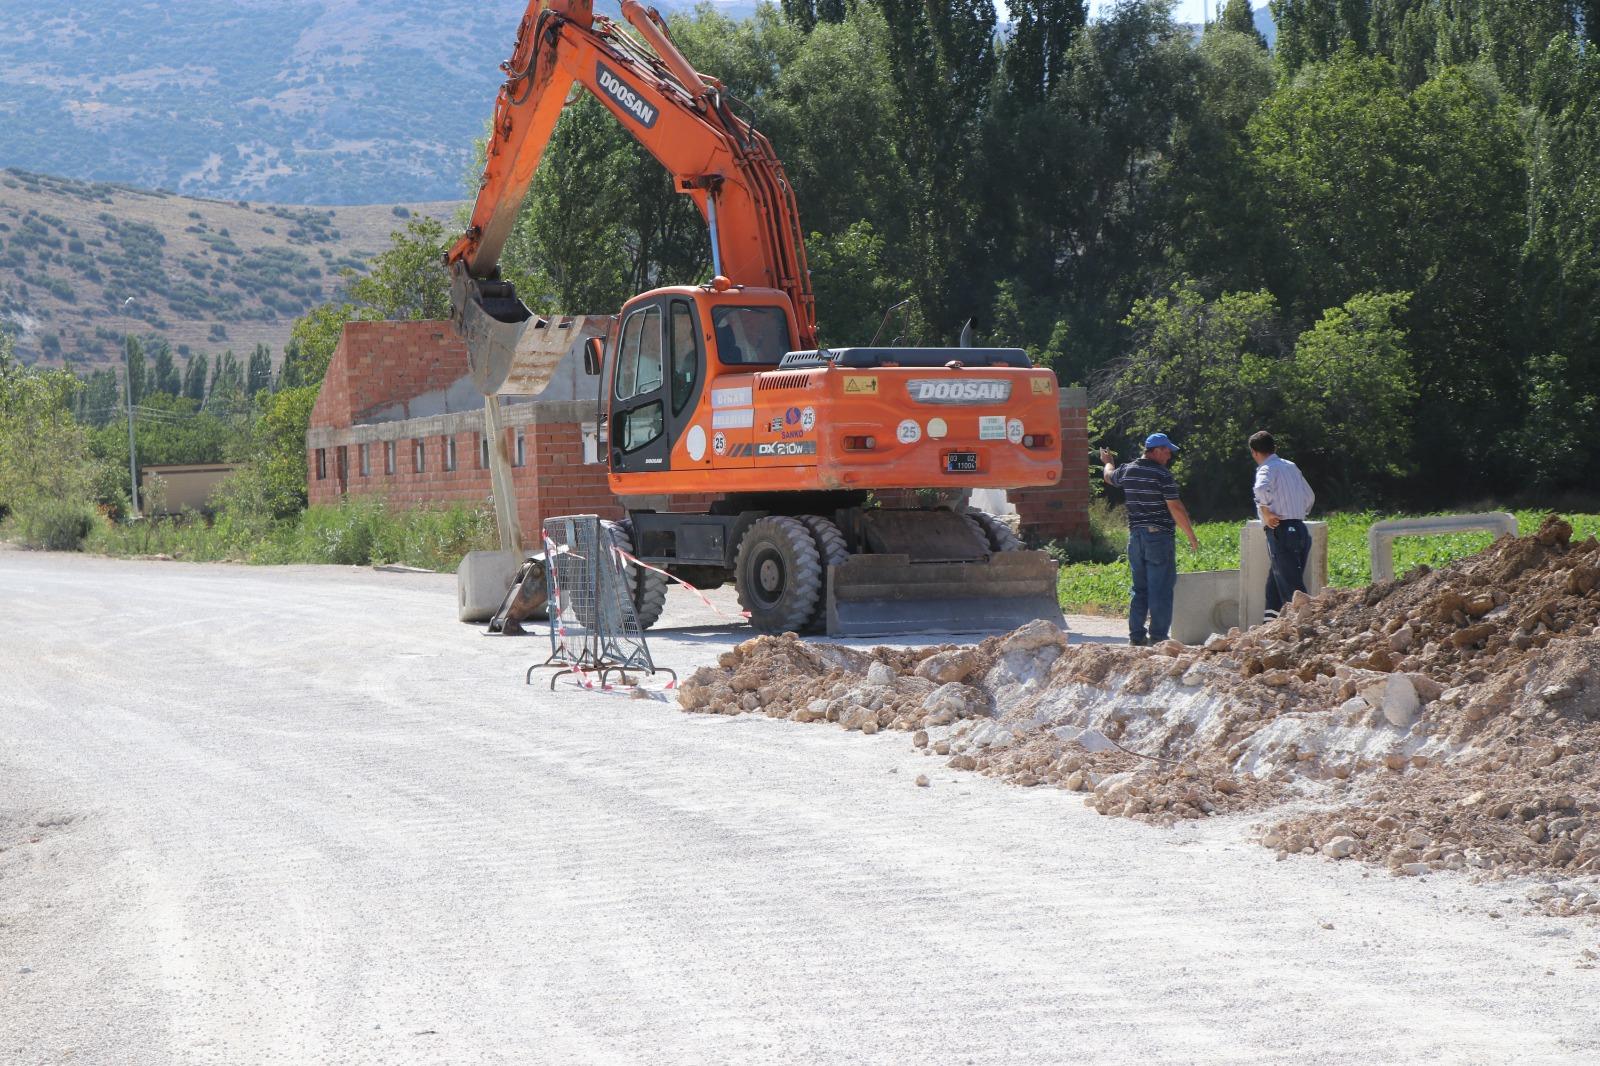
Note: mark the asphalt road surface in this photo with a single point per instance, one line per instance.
(301, 815)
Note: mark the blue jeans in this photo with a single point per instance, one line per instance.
(1289, 546)
(1153, 559)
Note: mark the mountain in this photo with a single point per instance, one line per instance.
(204, 274)
(1266, 25)
(293, 101)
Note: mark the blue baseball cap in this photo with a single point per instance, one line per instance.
(1159, 440)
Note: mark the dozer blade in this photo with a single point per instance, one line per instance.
(889, 595)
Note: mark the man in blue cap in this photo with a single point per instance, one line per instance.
(1154, 515)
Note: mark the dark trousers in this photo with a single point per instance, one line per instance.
(1289, 546)
(1153, 561)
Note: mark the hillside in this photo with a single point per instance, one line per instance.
(205, 274)
(292, 101)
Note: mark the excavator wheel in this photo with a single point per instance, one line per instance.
(831, 549)
(649, 588)
(778, 574)
(1000, 537)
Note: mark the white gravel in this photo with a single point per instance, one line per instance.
(301, 815)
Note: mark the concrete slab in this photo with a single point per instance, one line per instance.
(1205, 602)
(1380, 537)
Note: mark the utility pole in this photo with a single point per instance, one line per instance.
(127, 386)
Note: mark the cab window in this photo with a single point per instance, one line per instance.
(750, 334)
(639, 356)
(685, 355)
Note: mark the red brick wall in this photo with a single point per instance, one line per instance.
(378, 364)
(1062, 511)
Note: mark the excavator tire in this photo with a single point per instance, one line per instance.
(831, 549)
(1001, 537)
(778, 574)
(649, 588)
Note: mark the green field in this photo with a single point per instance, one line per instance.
(1095, 588)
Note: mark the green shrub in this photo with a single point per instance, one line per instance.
(54, 525)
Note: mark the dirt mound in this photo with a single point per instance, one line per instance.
(1448, 720)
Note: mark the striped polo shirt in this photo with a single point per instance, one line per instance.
(1148, 486)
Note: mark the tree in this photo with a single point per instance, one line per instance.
(1347, 396)
(1042, 32)
(259, 376)
(1202, 371)
(1312, 31)
(1432, 204)
(278, 452)
(941, 60)
(44, 453)
(313, 337)
(1237, 17)
(194, 378)
(133, 363)
(163, 374)
(408, 279)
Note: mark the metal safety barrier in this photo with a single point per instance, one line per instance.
(594, 622)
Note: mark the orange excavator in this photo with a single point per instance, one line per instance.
(722, 389)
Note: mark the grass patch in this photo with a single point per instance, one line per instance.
(357, 532)
(1104, 587)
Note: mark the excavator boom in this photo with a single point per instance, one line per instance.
(721, 389)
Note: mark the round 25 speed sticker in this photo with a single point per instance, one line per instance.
(908, 432)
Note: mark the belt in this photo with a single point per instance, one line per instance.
(1155, 529)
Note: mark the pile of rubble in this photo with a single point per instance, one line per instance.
(1448, 720)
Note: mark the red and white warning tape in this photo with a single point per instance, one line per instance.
(625, 557)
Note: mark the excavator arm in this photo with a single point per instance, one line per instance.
(678, 115)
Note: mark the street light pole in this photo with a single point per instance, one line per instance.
(127, 384)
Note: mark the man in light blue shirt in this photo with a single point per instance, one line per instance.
(1283, 500)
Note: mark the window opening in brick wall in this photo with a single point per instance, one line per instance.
(449, 453)
(483, 452)
(322, 463)
(388, 457)
(420, 454)
(365, 452)
(521, 457)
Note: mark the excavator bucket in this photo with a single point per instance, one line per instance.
(889, 595)
(928, 574)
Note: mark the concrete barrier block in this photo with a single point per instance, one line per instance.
(482, 581)
(1255, 564)
(1203, 603)
(1381, 535)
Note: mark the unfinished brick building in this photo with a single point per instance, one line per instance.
(400, 416)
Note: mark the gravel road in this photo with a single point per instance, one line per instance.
(300, 815)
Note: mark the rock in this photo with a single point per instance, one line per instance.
(869, 726)
(1170, 648)
(1276, 678)
(853, 717)
(1395, 697)
(1195, 675)
(948, 702)
(1075, 781)
(922, 780)
(919, 739)
(879, 675)
(1427, 688)
(1415, 869)
(1396, 762)
(1036, 634)
(946, 666)
(1299, 599)
(1339, 847)
(1417, 840)
(1401, 639)
(811, 713)
(1217, 642)
(941, 747)
(962, 762)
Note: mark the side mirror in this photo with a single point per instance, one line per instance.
(594, 356)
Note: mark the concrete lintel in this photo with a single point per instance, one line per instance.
(1381, 535)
